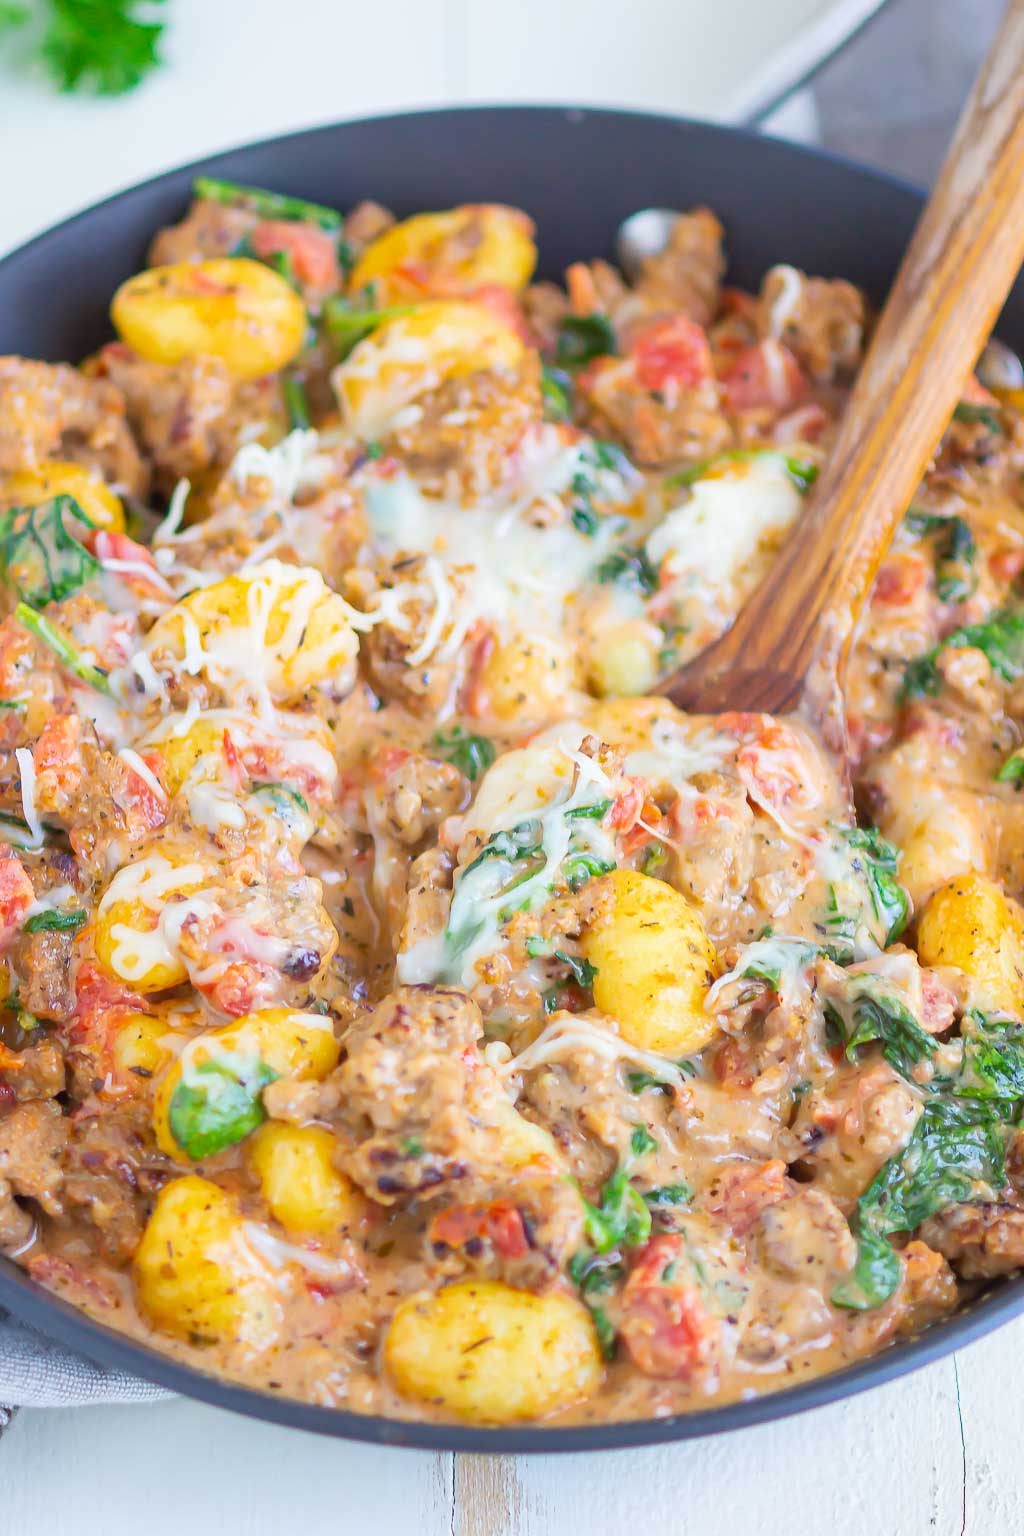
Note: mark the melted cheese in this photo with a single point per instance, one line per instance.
(719, 539)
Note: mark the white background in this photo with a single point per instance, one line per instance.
(938, 1452)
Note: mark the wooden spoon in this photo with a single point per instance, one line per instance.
(789, 643)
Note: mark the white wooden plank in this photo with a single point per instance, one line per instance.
(885, 1462)
(992, 1405)
(180, 1467)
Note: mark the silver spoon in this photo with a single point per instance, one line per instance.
(643, 234)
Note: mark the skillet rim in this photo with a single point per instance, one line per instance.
(56, 1317)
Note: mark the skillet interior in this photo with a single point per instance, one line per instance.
(577, 173)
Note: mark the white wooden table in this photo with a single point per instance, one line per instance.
(939, 1452)
(936, 1454)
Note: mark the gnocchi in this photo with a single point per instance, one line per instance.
(211, 1096)
(654, 965)
(278, 630)
(449, 253)
(969, 923)
(482, 1351)
(32, 487)
(299, 1182)
(196, 1276)
(413, 354)
(231, 308)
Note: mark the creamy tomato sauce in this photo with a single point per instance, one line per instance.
(403, 1009)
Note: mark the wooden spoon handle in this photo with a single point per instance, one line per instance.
(955, 275)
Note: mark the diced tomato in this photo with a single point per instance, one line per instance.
(732, 1064)
(16, 894)
(480, 645)
(778, 766)
(131, 562)
(503, 303)
(56, 756)
(628, 805)
(767, 375)
(673, 351)
(901, 577)
(100, 1005)
(232, 759)
(242, 987)
(1007, 564)
(313, 252)
(666, 1324)
(742, 1193)
(387, 761)
(499, 1223)
(736, 301)
(16, 656)
(144, 809)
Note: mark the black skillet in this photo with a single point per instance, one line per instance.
(578, 174)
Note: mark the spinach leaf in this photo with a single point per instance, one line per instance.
(1000, 638)
(955, 553)
(205, 1117)
(39, 556)
(63, 647)
(605, 1330)
(642, 1142)
(955, 1155)
(580, 867)
(629, 568)
(866, 1014)
(668, 1194)
(347, 324)
(268, 205)
(520, 842)
(992, 1066)
(639, 1082)
(969, 412)
(295, 401)
(556, 392)
(879, 861)
(594, 812)
(802, 472)
(582, 971)
(621, 1219)
(471, 755)
(55, 920)
(1012, 771)
(581, 338)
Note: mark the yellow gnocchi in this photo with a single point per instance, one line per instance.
(54, 477)
(413, 354)
(237, 310)
(299, 1182)
(968, 923)
(654, 963)
(455, 251)
(131, 942)
(482, 1351)
(279, 628)
(210, 1097)
(528, 678)
(196, 1276)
